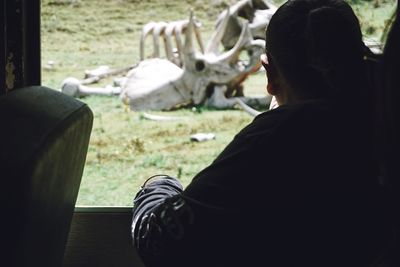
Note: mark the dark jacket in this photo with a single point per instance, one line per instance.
(297, 187)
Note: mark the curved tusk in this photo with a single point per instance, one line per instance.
(147, 29)
(247, 108)
(233, 54)
(212, 46)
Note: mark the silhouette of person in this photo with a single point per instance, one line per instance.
(298, 186)
(388, 93)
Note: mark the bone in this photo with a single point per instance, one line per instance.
(201, 137)
(178, 38)
(253, 112)
(96, 72)
(256, 12)
(212, 46)
(153, 117)
(157, 31)
(189, 48)
(92, 76)
(197, 26)
(233, 54)
(147, 29)
(257, 48)
(220, 101)
(75, 88)
(143, 92)
(168, 33)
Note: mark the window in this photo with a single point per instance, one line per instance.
(125, 148)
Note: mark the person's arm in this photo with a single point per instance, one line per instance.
(199, 226)
(160, 216)
(171, 229)
(154, 192)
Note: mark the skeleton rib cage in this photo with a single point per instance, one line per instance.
(170, 32)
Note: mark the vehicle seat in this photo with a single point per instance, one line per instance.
(44, 138)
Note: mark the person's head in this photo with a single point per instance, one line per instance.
(314, 50)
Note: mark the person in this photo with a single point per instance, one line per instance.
(388, 133)
(299, 185)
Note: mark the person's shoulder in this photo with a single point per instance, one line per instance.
(274, 120)
(268, 120)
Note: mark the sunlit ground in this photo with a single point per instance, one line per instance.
(125, 149)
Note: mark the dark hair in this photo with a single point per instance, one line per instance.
(317, 46)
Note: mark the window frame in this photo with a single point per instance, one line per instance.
(20, 57)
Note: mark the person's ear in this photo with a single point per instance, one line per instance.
(271, 71)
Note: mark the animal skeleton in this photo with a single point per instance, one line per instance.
(176, 86)
(257, 13)
(187, 75)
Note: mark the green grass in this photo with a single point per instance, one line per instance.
(125, 149)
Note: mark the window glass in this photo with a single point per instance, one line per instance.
(126, 147)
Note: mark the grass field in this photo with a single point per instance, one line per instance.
(124, 148)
